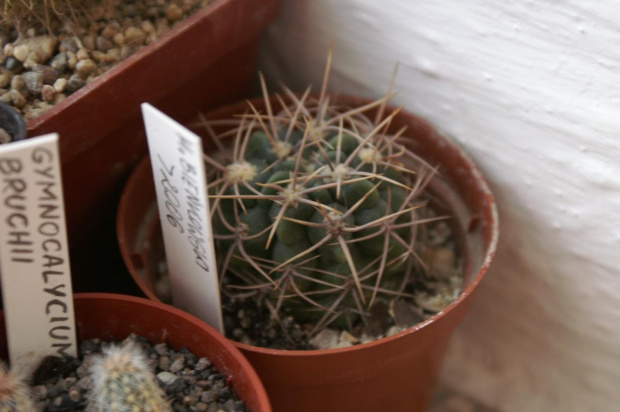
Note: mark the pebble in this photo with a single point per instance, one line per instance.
(202, 364)
(5, 97)
(104, 44)
(5, 79)
(127, 51)
(119, 39)
(174, 13)
(82, 54)
(48, 93)
(441, 262)
(59, 98)
(49, 75)
(162, 26)
(85, 67)
(13, 64)
(161, 349)
(134, 35)
(88, 42)
(112, 56)
(393, 330)
(41, 48)
(74, 83)
(8, 49)
(167, 378)
(190, 400)
(59, 62)
(72, 60)
(208, 396)
(75, 395)
(147, 27)
(69, 44)
(60, 84)
(164, 363)
(110, 30)
(177, 365)
(404, 315)
(33, 82)
(326, 339)
(21, 52)
(18, 83)
(152, 37)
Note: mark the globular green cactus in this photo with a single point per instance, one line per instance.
(317, 207)
(123, 382)
(15, 394)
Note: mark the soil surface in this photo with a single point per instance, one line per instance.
(39, 69)
(190, 383)
(248, 319)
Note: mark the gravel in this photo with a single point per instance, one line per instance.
(69, 60)
(191, 383)
(247, 319)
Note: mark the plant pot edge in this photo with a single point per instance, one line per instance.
(284, 362)
(224, 355)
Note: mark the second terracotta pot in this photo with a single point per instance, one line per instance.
(398, 373)
(114, 317)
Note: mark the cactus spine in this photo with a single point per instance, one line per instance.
(317, 206)
(14, 393)
(123, 382)
(22, 14)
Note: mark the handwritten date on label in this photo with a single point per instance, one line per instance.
(180, 183)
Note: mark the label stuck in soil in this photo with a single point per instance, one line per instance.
(34, 253)
(180, 183)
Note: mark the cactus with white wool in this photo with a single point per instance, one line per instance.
(15, 395)
(124, 382)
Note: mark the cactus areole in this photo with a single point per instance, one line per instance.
(316, 208)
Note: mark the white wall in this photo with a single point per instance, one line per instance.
(531, 89)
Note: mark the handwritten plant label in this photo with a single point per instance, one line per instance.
(180, 183)
(34, 253)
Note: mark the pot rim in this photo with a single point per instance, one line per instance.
(489, 251)
(233, 353)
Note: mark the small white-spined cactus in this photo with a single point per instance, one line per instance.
(14, 393)
(123, 382)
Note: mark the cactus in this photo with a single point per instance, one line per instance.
(14, 393)
(316, 207)
(123, 382)
(22, 14)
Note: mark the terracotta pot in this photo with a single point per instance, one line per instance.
(208, 60)
(114, 317)
(397, 373)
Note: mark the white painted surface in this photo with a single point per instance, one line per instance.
(531, 89)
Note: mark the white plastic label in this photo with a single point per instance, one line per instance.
(34, 254)
(180, 183)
